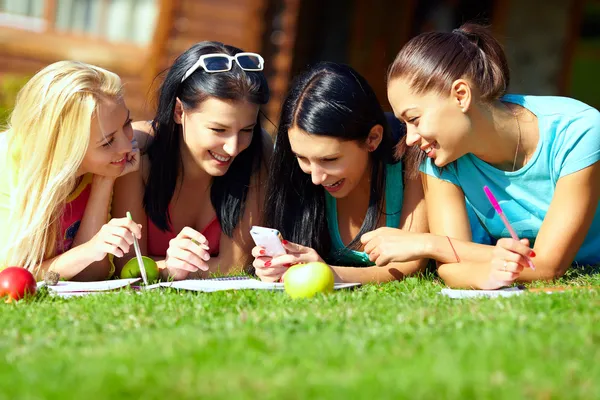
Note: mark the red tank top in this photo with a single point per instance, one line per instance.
(73, 213)
(158, 241)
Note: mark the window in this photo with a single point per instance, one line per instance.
(119, 21)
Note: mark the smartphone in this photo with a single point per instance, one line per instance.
(269, 239)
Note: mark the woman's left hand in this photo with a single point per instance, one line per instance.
(385, 245)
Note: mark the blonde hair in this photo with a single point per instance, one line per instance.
(46, 141)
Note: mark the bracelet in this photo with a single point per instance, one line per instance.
(454, 250)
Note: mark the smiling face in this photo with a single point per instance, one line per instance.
(435, 123)
(337, 165)
(110, 140)
(217, 131)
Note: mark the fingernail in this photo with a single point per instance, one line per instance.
(284, 241)
(268, 264)
(532, 254)
(262, 252)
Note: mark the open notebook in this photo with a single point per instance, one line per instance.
(230, 283)
(466, 294)
(72, 289)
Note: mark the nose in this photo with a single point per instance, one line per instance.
(231, 146)
(317, 175)
(126, 145)
(412, 137)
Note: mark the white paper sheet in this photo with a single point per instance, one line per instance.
(210, 285)
(100, 286)
(466, 294)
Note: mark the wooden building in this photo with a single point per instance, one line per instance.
(553, 45)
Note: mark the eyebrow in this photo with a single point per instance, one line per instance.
(227, 126)
(406, 109)
(333, 155)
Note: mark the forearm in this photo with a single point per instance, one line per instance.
(449, 250)
(96, 210)
(75, 262)
(466, 275)
(391, 272)
(545, 269)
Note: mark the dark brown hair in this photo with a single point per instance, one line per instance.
(433, 60)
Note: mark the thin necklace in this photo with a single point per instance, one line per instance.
(518, 138)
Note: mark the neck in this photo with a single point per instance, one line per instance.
(496, 135)
(357, 201)
(193, 171)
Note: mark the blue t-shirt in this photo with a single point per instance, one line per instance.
(569, 141)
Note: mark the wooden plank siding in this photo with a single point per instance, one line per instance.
(235, 22)
(181, 23)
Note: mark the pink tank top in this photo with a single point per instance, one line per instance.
(73, 213)
(158, 241)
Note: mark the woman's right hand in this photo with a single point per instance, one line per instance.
(262, 266)
(509, 258)
(188, 252)
(115, 237)
(132, 159)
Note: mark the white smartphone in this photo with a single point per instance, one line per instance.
(269, 239)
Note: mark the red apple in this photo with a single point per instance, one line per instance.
(16, 283)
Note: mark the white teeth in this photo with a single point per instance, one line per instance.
(334, 184)
(219, 157)
(428, 151)
(118, 161)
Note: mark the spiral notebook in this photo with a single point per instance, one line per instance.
(231, 283)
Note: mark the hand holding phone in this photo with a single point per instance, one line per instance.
(269, 239)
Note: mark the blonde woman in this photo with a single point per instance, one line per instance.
(69, 138)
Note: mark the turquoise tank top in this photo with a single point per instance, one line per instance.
(394, 195)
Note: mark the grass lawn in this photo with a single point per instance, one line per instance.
(399, 340)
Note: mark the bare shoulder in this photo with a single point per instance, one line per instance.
(143, 134)
(143, 127)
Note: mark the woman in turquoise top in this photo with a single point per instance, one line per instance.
(538, 154)
(334, 177)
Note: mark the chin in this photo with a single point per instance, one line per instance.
(440, 162)
(213, 170)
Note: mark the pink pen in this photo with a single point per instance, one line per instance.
(498, 209)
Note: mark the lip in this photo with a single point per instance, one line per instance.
(219, 162)
(431, 148)
(337, 188)
(119, 163)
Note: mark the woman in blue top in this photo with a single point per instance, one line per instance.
(334, 177)
(538, 154)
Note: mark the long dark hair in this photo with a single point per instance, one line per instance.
(228, 192)
(431, 61)
(328, 100)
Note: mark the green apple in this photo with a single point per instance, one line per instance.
(132, 269)
(306, 280)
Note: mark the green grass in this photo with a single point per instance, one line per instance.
(399, 340)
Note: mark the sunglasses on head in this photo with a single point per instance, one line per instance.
(220, 62)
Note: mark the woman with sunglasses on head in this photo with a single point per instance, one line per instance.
(538, 155)
(198, 189)
(333, 177)
(69, 139)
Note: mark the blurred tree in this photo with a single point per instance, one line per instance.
(9, 87)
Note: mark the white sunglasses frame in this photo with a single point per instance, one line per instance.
(201, 63)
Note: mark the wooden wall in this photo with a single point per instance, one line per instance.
(181, 23)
